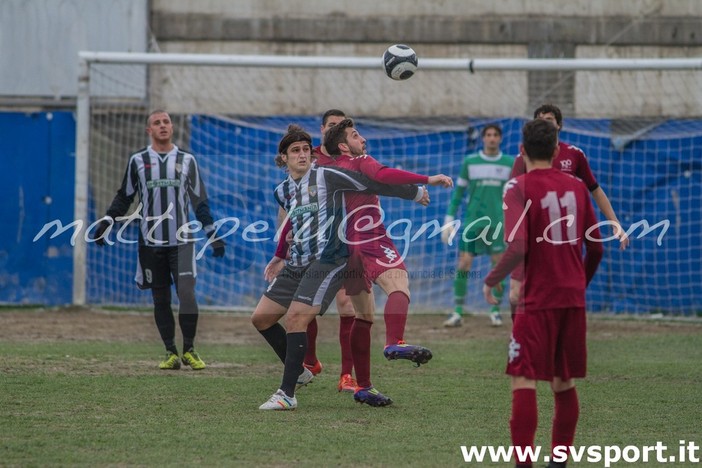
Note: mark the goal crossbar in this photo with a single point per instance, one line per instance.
(446, 64)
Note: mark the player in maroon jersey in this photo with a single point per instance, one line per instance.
(391, 277)
(571, 160)
(548, 218)
(373, 256)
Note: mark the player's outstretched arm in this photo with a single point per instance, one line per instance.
(605, 207)
(350, 180)
(440, 180)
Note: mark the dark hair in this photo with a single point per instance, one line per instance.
(550, 109)
(540, 139)
(295, 134)
(336, 135)
(153, 112)
(495, 126)
(332, 113)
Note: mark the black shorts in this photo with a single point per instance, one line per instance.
(160, 266)
(315, 284)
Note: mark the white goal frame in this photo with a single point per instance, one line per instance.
(476, 65)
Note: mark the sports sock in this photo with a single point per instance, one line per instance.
(277, 338)
(188, 312)
(565, 417)
(524, 419)
(163, 316)
(361, 349)
(460, 286)
(311, 354)
(345, 326)
(297, 345)
(395, 314)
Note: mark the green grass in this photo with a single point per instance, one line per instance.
(94, 403)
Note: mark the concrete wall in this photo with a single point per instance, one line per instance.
(40, 40)
(439, 28)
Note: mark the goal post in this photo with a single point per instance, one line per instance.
(639, 120)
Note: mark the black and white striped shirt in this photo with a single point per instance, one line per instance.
(315, 206)
(166, 184)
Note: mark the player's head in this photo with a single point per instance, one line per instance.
(159, 126)
(344, 138)
(539, 140)
(551, 113)
(294, 150)
(492, 138)
(331, 118)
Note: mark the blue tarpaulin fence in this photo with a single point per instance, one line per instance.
(652, 175)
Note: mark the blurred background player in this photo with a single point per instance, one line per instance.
(167, 180)
(483, 176)
(312, 197)
(548, 218)
(344, 306)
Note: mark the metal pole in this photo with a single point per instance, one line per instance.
(447, 64)
(80, 208)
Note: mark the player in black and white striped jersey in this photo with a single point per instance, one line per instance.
(304, 288)
(167, 180)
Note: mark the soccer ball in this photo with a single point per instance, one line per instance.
(400, 62)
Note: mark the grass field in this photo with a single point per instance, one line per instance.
(82, 388)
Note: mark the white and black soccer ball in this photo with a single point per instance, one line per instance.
(400, 62)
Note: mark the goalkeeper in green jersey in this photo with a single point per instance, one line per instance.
(483, 175)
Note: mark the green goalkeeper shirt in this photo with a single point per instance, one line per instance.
(483, 177)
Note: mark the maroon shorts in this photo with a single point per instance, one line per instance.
(548, 343)
(367, 262)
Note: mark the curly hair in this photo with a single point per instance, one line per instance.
(336, 135)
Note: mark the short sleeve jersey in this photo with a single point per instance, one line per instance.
(570, 160)
(559, 213)
(484, 178)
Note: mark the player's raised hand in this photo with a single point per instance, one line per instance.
(273, 268)
(440, 180)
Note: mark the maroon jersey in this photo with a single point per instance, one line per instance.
(364, 221)
(570, 160)
(548, 217)
(363, 209)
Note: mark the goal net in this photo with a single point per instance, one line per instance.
(641, 130)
